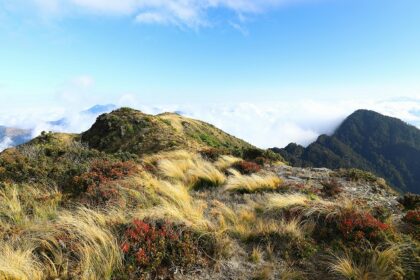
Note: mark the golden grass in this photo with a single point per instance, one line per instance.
(177, 204)
(256, 255)
(191, 170)
(279, 201)
(175, 168)
(18, 264)
(224, 162)
(95, 246)
(26, 205)
(329, 209)
(38, 240)
(205, 174)
(381, 265)
(75, 244)
(252, 183)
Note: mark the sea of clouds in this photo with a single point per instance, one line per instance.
(264, 124)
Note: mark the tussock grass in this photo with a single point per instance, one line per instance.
(256, 255)
(204, 174)
(278, 201)
(176, 168)
(264, 229)
(40, 236)
(94, 245)
(177, 204)
(329, 209)
(191, 170)
(18, 264)
(224, 162)
(252, 183)
(382, 264)
(24, 205)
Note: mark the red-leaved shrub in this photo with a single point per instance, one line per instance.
(412, 217)
(247, 167)
(357, 226)
(94, 184)
(155, 247)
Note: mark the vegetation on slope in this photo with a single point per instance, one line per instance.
(132, 131)
(72, 212)
(369, 141)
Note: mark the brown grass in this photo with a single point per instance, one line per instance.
(252, 183)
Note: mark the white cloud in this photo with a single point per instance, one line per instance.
(191, 13)
(83, 81)
(262, 124)
(5, 143)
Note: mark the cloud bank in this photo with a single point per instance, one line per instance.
(265, 125)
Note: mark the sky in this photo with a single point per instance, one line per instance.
(269, 71)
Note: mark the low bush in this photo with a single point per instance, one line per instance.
(157, 247)
(95, 183)
(410, 201)
(247, 167)
(260, 156)
(412, 217)
(212, 154)
(356, 175)
(358, 226)
(412, 220)
(331, 188)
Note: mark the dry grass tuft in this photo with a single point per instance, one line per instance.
(176, 203)
(256, 255)
(253, 183)
(278, 201)
(225, 162)
(18, 264)
(25, 205)
(381, 265)
(192, 171)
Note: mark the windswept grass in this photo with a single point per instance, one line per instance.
(278, 201)
(192, 171)
(252, 183)
(381, 265)
(22, 206)
(176, 204)
(43, 236)
(18, 264)
(225, 162)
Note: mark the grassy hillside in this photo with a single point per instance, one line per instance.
(69, 211)
(132, 131)
(366, 140)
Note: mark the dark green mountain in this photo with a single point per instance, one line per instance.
(386, 146)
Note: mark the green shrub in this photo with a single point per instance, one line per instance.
(410, 201)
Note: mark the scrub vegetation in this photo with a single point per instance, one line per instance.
(90, 207)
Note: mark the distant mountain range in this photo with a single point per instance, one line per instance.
(367, 140)
(11, 136)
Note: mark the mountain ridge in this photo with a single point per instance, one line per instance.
(366, 140)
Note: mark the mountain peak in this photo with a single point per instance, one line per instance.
(367, 140)
(133, 131)
(99, 109)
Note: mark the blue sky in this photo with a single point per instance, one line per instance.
(75, 53)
